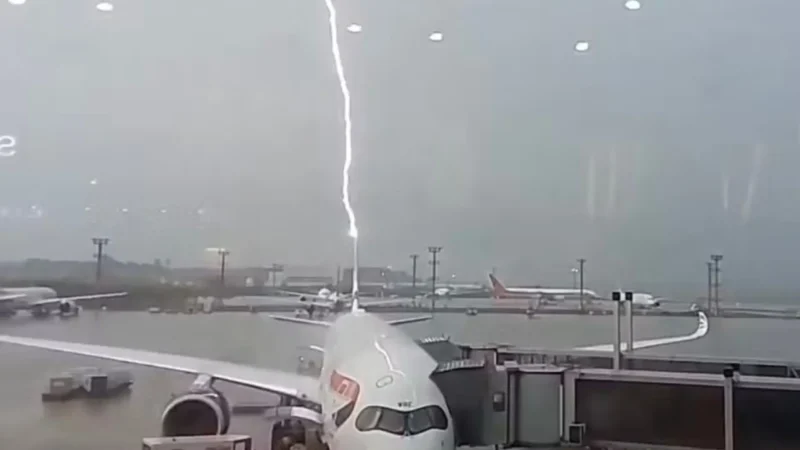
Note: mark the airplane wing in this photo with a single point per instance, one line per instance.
(408, 320)
(284, 383)
(322, 323)
(78, 298)
(10, 297)
(388, 301)
(319, 323)
(298, 294)
(702, 330)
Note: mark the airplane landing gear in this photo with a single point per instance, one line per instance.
(40, 313)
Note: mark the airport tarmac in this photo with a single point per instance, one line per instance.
(27, 424)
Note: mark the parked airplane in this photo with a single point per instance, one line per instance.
(455, 290)
(375, 389)
(41, 301)
(333, 302)
(501, 292)
(643, 300)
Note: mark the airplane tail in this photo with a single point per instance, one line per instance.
(498, 290)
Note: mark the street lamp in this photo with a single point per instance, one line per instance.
(414, 270)
(99, 243)
(581, 262)
(716, 259)
(434, 250)
(223, 255)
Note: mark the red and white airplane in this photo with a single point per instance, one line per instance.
(375, 390)
(499, 291)
(41, 301)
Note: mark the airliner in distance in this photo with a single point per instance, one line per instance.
(334, 302)
(456, 290)
(41, 301)
(375, 390)
(499, 291)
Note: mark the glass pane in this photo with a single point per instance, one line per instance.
(438, 417)
(419, 421)
(392, 421)
(368, 418)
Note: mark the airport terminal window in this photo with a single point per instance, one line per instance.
(400, 422)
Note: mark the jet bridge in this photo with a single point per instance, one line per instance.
(496, 404)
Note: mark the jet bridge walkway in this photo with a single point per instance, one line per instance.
(496, 401)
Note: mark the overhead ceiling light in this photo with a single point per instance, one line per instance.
(105, 7)
(633, 5)
(354, 28)
(17, 2)
(436, 37)
(581, 46)
(7, 144)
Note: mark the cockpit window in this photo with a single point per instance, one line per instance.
(429, 417)
(401, 422)
(418, 421)
(392, 421)
(342, 414)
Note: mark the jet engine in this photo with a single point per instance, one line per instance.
(67, 307)
(199, 412)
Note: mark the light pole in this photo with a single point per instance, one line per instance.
(99, 243)
(710, 266)
(716, 259)
(223, 255)
(434, 250)
(274, 271)
(414, 270)
(581, 262)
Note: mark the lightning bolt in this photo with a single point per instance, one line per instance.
(348, 139)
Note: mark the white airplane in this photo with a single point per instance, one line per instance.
(40, 301)
(374, 391)
(643, 300)
(335, 302)
(456, 290)
(499, 291)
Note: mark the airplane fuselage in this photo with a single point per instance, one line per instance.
(24, 296)
(30, 293)
(376, 390)
(642, 300)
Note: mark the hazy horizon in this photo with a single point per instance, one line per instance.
(676, 135)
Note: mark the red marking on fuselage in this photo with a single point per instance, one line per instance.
(344, 386)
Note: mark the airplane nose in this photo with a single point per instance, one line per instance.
(429, 440)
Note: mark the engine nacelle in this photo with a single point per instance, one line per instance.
(67, 308)
(196, 413)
